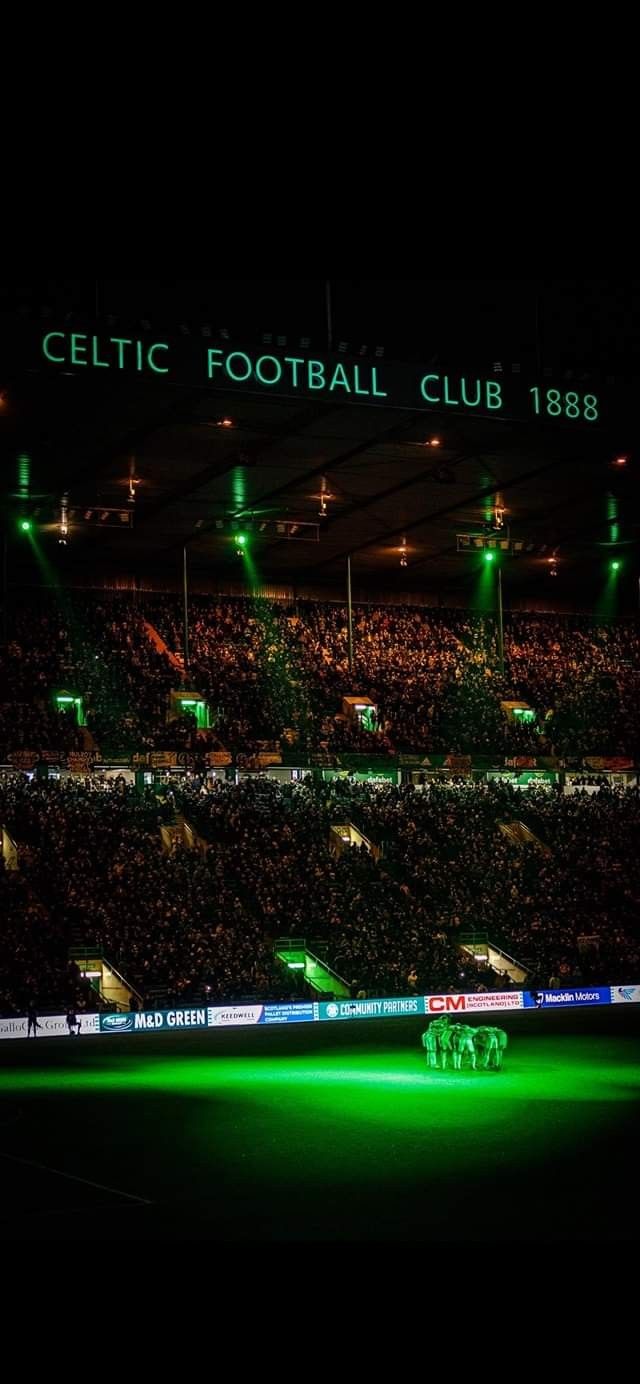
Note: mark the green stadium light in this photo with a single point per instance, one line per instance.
(489, 557)
(25, 525)
(615, 565)
(241, 540)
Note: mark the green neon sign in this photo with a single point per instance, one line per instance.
(461, 393)
(385, 383)
(121, 352)
(297, 372)
(569, 404)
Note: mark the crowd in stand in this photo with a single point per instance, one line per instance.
(93, 646)
(271, 670)
(198, 924)
(565, 903)
(94, 863)
(32, 952)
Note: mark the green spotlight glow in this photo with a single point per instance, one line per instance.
(610, 594)
(489, 557)
(25, 525)
(241, 540)
(375, 1100)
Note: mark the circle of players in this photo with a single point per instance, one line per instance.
(484, 1047)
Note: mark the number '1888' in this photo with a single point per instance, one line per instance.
(569, 405)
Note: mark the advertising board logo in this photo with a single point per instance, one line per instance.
(12, 1027)
(441, 1004)
(332, 1011)
(626, 994)
(557, 999)
(494, 1000)
(119, 1023)
(227, 1018)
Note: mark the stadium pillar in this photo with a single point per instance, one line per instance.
(350, 614)
(186, 609)
(500, 625)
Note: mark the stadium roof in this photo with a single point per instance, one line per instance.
(311, 479)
